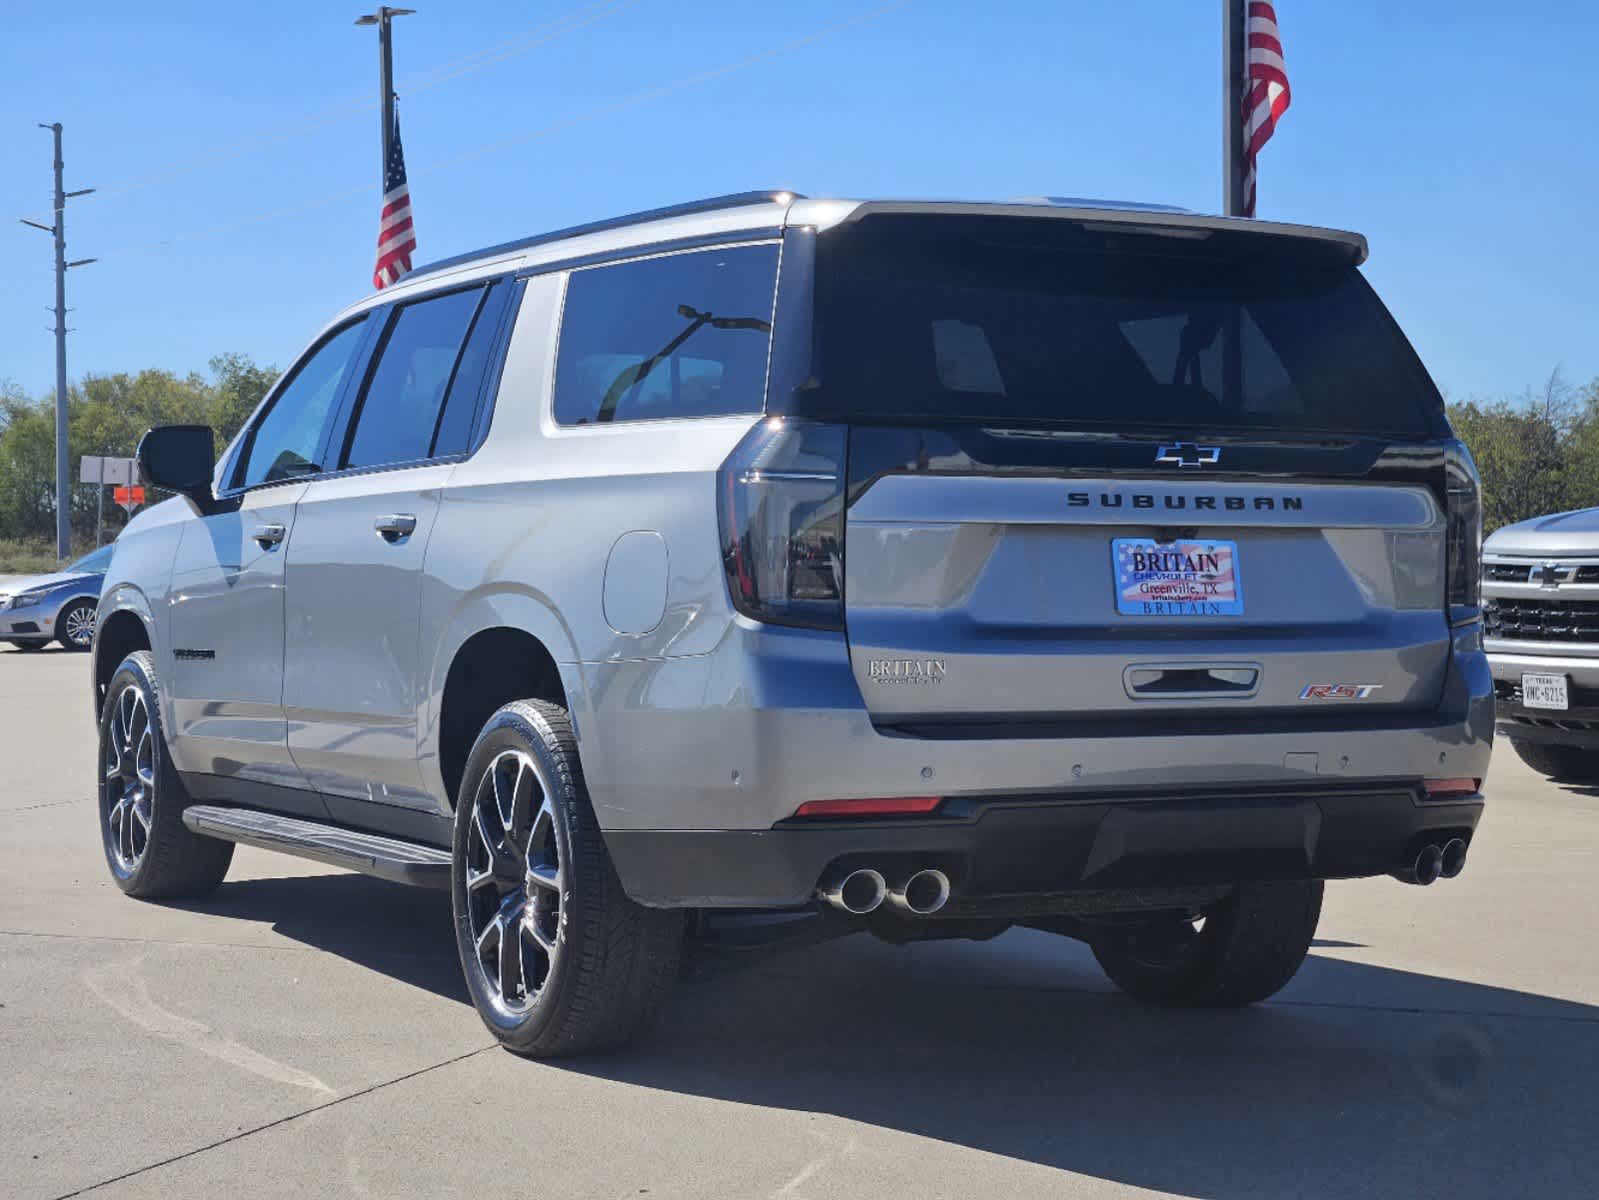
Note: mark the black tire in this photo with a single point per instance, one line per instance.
(591, 967)
(1574, 763)
(161, 857)
(1247, 948)
(72, 622)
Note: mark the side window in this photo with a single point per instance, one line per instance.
(460, 406)
(400, 406)
(284, 443)
(685, 335)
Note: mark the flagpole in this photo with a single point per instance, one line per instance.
(1234, 24)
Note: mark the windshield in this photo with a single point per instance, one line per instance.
(90, 563)
(1037, 322)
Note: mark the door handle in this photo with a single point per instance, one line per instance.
(267, 536)
(395, 526)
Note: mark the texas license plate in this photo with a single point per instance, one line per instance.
(1186, 578)
(1544, 691)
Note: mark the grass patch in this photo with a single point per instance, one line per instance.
(30, 556)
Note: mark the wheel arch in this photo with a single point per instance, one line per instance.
(500, 647)
(123, 626)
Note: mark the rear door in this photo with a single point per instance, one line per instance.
(1104, 474)
(355, 561)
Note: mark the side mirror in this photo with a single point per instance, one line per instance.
(180, 458)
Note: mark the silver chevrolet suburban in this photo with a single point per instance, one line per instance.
(685, 586)
(1541, 618)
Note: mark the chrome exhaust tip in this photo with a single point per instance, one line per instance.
(1453, 858)
(921, 893)
(856, 892)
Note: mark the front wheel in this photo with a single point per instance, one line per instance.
(1240, 951)
(151, 852)
(557, 958)
(75, 625)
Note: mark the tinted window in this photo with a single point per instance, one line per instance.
(1041, 322)
(681, 336)
(460, 406)
(285, 442)
(400, 407)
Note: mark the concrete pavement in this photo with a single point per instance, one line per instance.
(305, 1032)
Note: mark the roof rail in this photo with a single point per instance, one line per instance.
(691, 208)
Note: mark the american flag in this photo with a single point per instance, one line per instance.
(396, 239)
(1266, 94)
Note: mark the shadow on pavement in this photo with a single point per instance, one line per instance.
(1358, 1080)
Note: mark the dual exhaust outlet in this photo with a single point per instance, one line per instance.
(861, 890)
(1434, 862)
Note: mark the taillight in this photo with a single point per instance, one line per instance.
(781, 496)
(1463, 535)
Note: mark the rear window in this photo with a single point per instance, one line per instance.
(1040, 323)
(683, 335)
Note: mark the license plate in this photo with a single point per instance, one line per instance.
(1194, 577)
(1544, 691)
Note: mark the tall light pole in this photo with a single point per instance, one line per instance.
(59, 228)
(382, 19)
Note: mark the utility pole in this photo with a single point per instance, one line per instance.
(382, 19)
(1234, 22)
(59, 229)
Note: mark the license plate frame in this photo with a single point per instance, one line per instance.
(1545, 691)
(1188, 577)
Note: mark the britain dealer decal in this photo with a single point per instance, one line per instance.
(1338, 691)
(906, 670)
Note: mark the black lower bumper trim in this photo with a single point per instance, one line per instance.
(1042, 846)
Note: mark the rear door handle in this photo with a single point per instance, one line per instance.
(395, 526)
(267, 536)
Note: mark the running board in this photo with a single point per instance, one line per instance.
(387, 858)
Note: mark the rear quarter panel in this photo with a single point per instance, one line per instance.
(527, 526)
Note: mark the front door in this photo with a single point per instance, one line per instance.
(227, 595)
(226, 634)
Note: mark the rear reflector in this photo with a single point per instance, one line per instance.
(875, 806)
(1452, 787)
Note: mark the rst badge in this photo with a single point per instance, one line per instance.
(1339, 691)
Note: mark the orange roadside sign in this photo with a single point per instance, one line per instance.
(129, 497)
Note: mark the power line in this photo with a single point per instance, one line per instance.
(626, 102)
(347, 110)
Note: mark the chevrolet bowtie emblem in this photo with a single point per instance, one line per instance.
(1186, 454)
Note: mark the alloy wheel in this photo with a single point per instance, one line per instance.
(514, 882)
(129, 768)
(78, 624)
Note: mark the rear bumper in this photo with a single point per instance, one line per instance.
(1012, 853)
(695, 766)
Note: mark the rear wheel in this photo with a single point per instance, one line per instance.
(75, 625)
(558, 960)
(1559, 762)
(1240, 951)
(151, 852)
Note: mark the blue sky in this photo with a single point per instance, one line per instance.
(1458, 138)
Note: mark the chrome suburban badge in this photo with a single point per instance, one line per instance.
(1338, 691)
